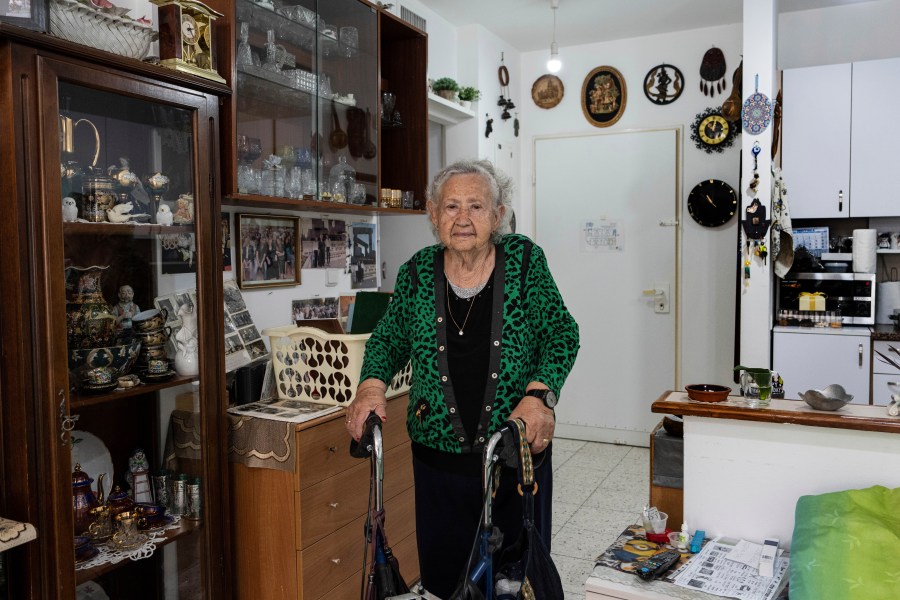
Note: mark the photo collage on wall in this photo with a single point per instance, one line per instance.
(362, 263)
(243, 342)
(323, 243)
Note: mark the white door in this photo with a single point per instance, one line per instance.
(627, 181)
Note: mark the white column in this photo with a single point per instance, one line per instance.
(760, 51)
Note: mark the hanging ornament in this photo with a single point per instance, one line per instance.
(510, 104)
(516, 125)
(489, 128)
(712, 72)
(663, 84)
(757, 112)
(501, 101)
(753, 188)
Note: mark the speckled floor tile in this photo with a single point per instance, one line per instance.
(573, 572)
(625, 496)
(564, 445)
(576, 542)
(562, 512)
(574, 485)
(602, 520)
(560, 458)
(599, 456)
(636, 461)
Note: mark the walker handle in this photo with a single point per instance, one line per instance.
(363, 448)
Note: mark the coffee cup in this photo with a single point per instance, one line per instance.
(155, 337)
(157, 366)
(149, 320)
(148, 352)
(99, 376)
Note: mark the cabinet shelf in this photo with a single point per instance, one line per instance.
(83, 400)
(135, 230)
(247, 200)
(888, 251)
(185, 528)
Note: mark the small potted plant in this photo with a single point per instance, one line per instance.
(445, 87)
(468, 95)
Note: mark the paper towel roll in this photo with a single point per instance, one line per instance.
(887, 299)
(865, 242)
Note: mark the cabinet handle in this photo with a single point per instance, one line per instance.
(332, 449)
(841, 201)
(860, 355)
(333, 504)
(336, 561)
(66, 421)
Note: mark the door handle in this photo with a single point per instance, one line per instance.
(840, 200)
(860, 355)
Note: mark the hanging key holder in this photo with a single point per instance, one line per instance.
(755, 223)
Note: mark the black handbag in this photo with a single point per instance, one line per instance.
(526, 570)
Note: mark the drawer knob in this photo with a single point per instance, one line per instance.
(336, 561)
(333, 504)
(332, 449)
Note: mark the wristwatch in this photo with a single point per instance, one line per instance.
(546, 396)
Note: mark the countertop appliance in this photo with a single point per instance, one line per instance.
(853, 294)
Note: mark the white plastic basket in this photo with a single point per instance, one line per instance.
(312, 365)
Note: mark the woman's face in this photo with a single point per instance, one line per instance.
(462, 216)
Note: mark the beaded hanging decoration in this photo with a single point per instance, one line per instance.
(712, 72)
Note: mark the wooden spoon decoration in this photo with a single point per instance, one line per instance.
(731, 108)
(369, 149)
(338, 137)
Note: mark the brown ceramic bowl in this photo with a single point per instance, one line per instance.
(707, 392)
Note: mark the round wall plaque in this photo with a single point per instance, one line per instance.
(547, 91)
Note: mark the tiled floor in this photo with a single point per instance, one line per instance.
(598, 489)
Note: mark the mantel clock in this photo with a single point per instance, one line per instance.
(186, 41)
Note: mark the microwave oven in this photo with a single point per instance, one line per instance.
(853, 294)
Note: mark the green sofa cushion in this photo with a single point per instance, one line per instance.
(846, 546)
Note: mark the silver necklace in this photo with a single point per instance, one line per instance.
(466, 293)
(450, 312)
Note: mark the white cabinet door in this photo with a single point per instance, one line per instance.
(875, 145)
(816, 140)
(808, 361)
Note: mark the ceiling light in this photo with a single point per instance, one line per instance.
(554, 64)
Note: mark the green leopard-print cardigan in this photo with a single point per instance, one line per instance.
(538, 341)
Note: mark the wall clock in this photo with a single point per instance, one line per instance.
(712, 203)
(712, 132)
(186, 41)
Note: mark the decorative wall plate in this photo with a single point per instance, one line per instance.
(756, 113)
(603, 96)
(547, 91)
(663, 84)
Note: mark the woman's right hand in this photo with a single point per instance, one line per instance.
(370, 396)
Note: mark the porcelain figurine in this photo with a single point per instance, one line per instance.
(126, 308)
(164, 215)
(121, 213)
(139, 477)
(184, 212)
(69, 210)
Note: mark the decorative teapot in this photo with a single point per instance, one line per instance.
(119, 501)
(83, 498)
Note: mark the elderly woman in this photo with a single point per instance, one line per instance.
(490, 339)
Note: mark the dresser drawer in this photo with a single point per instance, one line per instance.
(324, 450)
(407, 556)
(331, 504)
(328, 563)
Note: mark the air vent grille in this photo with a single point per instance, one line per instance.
(412, 18)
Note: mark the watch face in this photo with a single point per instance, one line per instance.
(712, 132)
(712, 203)
(190, 33)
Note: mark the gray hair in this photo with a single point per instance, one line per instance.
(499, 184)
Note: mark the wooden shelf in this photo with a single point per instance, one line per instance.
(138, 230)
(274, 202)
(185, 528)
(446, 112)
(888, 251)
(83, 400)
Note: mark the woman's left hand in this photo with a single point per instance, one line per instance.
(539, 422)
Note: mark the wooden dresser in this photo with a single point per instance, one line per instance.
(300, 535)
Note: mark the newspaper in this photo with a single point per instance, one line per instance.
(295, 411)
(712, 572)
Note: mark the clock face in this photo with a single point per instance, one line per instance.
(712, 132)
(712, 203)
(190, 32)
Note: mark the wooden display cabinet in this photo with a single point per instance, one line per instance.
(68, 108)
(310, 92)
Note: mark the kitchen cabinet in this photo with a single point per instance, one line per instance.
(807, 358)
(838, 150)
(299, 534)
(815, 151)
(883, 371)
(875, 143)
(331, 92)
(93, 128)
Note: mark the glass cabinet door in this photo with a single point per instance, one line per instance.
(307, 104)
(134, 332)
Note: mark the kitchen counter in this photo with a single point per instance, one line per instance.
(859, 417)
(885, 333)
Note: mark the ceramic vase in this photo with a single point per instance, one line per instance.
(90, 321)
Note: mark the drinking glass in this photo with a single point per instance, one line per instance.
(244, 56)
(295, 183)
(349, 38)
(388, 102)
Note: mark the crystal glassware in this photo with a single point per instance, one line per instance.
(244, 56)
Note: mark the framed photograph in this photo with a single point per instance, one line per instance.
(31, 14)
(268, 247)
(603, 96)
